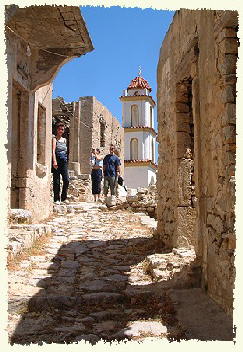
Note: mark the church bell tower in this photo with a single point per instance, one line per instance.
(139, 134)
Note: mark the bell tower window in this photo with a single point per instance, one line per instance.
(134, 116)
(134, 149)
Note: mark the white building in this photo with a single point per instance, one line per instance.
(139, 134)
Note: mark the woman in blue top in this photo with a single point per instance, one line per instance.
(96, 175)
(59, 163)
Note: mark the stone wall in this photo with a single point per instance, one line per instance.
(196, 116)
(106, 130)
(100, 131)
(80, 188)
(29, 135)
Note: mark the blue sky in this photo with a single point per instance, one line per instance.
(123, 39)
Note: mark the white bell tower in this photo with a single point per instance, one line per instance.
(139, 134)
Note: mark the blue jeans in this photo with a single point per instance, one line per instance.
(61, 170)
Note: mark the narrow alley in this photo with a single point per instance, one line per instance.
(154, 257)
(102, 275)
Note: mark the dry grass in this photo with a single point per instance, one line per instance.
(37, 248)
(146, 267)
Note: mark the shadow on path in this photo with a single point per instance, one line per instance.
(94, 292)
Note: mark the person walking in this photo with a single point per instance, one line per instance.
(96, 175)
(92, 157)
(111, 169)
(59, 163)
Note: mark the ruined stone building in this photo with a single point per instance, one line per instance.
(89, 125)
(197, 135)
(39, 40)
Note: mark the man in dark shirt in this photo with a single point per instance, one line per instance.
(111, 169)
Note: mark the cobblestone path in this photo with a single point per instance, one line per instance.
(90, 284)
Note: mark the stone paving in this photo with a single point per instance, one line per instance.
(96, 281)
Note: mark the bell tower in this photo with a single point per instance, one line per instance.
(139, 134)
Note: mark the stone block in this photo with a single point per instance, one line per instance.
(214, 221)
(230, 78)
(60, 209)
(232, 241)
(229, 135)
(101, 298)
(141, 328)
(131, 199)
(182, 97)
(84, 177)
(185, 231)
(228, 94)
(41, 170)
(68, 16)
(227, 64)
(22, 182)
(230, 158)
(182, 122)
(229, 46)
(184, 182)
(227, 32)
(230, 172)
(142, 190)
(20, 216)
(135, 205)
(71, 173)
(229, 116)
(75, 166)
(183, 140)
(110, 201)
(181, 107)
(230, 148)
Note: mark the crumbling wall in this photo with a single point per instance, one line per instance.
(29, 135)
(86, 129)
(106, 130)
(196, 116)
(144, 201)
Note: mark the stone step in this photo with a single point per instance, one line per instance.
(44, 302)
(71, 173)
(20, 216)
(176, 269)
(84, 177)
(22, 236)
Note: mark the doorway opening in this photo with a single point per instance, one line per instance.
(20, 112)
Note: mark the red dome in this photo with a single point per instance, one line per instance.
(139, 83)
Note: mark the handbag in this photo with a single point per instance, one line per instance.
(120, 180)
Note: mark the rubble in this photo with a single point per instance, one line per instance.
(145, 200)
